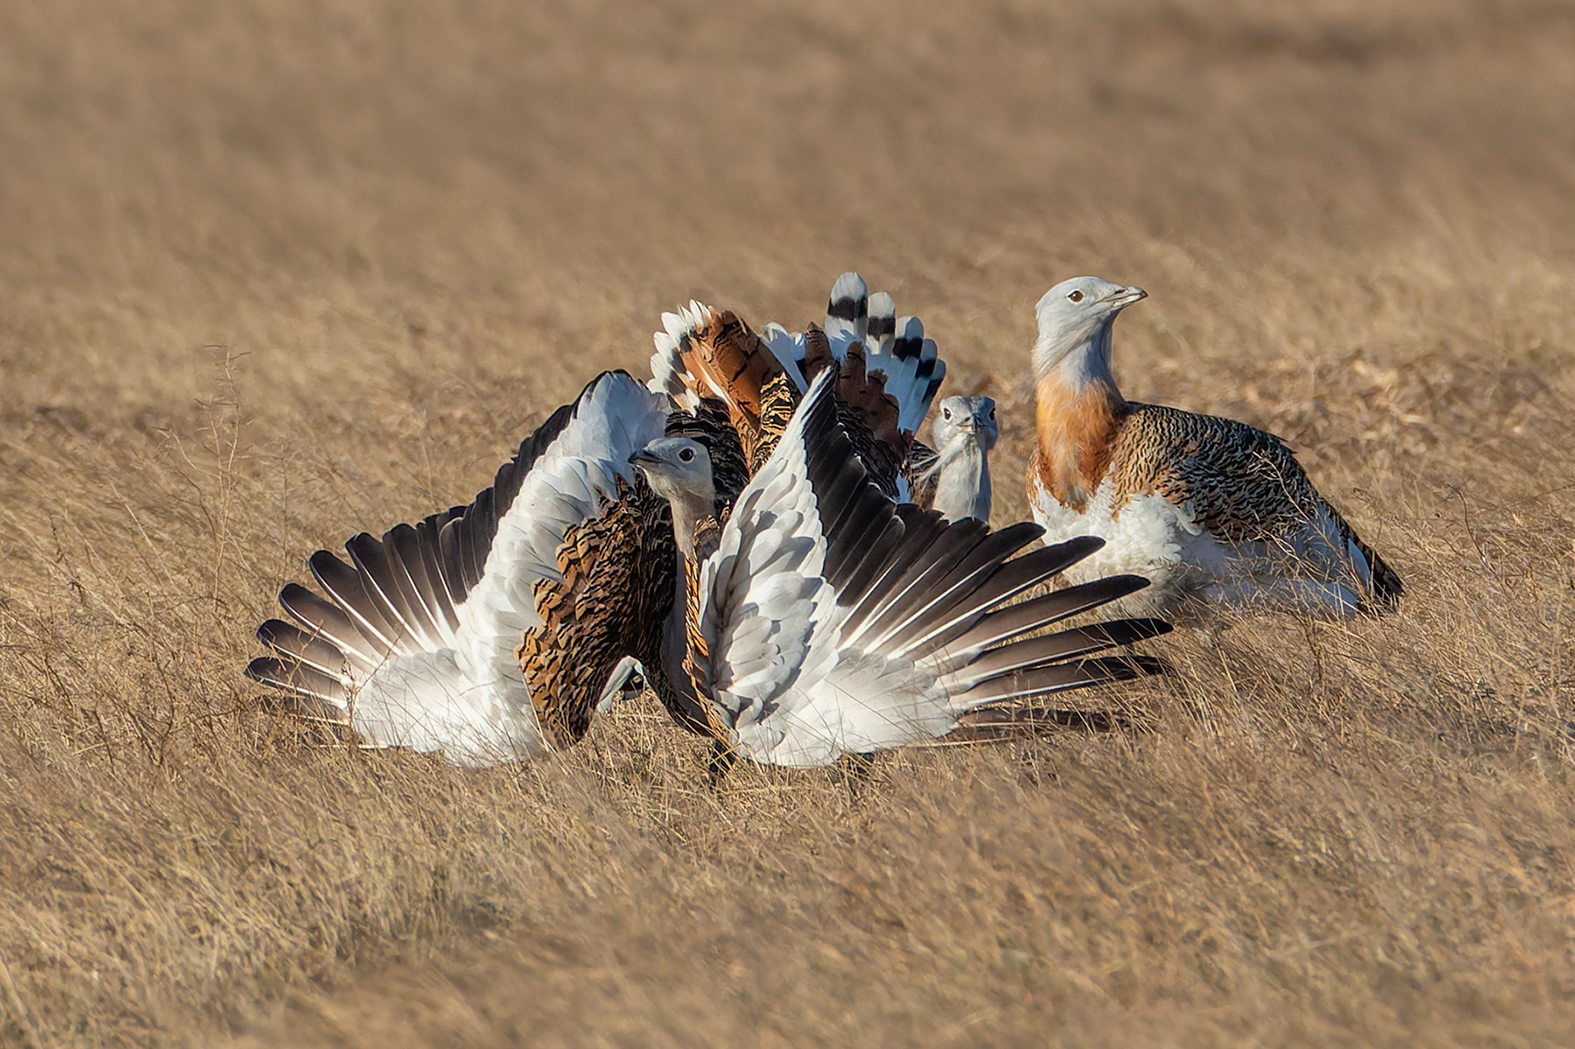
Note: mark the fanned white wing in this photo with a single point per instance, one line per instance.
(835, 621)
(767, 613)
(869, 701)
(460, 689)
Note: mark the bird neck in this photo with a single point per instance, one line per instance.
(678, 685)
(962, 487)
(686, 654)
(694, 525)
(1080, 412)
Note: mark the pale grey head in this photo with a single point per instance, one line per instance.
(676, 467)
(679, 470)
(964, 419)
(1079, 313)
(965, 431)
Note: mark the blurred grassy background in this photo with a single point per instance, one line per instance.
(275, 272)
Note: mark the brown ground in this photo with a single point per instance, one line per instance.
(271, 273)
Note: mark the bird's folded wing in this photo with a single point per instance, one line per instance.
(1244, 484)
(416, 643)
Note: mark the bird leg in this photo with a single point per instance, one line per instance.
(723, 758)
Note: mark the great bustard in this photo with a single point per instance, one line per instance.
(1213, 511)
(956, 478)
(820, 618)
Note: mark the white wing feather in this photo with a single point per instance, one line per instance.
(767, 614)
(471, 700)
(771, 620)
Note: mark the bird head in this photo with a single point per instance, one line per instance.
(677, 468)
(967, 418)
(1075, 313)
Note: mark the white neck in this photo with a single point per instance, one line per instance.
(962, 488)
(1080, 363)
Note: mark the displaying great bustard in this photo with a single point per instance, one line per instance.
(819, 618)
(1213, 511)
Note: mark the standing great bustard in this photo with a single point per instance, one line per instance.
(1213, 511)
(956, 478)
(821, 619)
(491, 632)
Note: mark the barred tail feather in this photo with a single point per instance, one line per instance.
(847, 312)
(882, 323)
(704, 352)
(669, 374)
(913, 371)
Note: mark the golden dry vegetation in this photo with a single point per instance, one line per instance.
(273, 273)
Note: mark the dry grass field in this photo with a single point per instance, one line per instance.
(272, 273)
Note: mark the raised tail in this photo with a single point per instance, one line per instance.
(895, 349)
(703, 352)
(913, 369)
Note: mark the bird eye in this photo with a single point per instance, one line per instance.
(992, 413)
(946, 413)
(1075, 296)
(687, 455)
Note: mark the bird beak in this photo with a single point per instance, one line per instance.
(644, 458)
(1124, 297)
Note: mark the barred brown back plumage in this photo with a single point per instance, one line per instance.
(1244, 484)
(589, 619)
(697, 651)
(728, 360)
(778, 400)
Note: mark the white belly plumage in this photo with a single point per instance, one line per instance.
(1186, 564)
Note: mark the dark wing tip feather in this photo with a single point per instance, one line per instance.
(1387, 586)
(1031, 653)
(851, 509)
(319, 691)
(1062, 677)
(1001, 625)
(1000, 724)
(311, 648)
(411, 579)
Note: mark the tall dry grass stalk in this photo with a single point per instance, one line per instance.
(274, 273)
